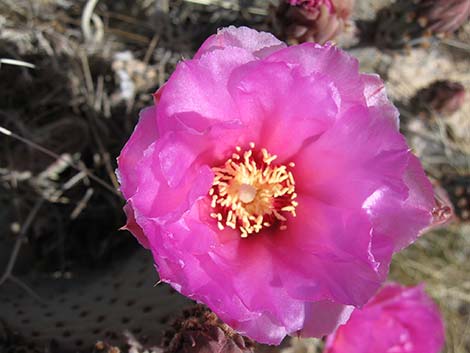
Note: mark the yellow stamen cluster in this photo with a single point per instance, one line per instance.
(249, 193)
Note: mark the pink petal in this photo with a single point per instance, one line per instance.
(323, 317)
(252, 270)
(194, 267)
(377, 100)
(144, 134)
(401, 219)
(198, 89)
(133, 227)
(341, 68)
(350, 161)
(322, 260)
(257, 43)
(421, 191)
(262, 329)
(169, 179)
(282, 105)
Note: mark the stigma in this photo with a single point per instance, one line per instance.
(251, 192)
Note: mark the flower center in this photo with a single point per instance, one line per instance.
(250, 193)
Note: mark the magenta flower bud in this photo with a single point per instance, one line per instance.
(406, 23)
(200, 331)
(397, 319)
(272, 184)
(444, 97)
(443, 16)
(317, 21)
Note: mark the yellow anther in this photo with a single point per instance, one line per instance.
(249, 193)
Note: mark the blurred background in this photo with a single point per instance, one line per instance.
(74, 75)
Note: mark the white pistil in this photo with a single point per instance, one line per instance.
(247, 193)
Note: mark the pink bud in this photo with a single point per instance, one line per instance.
(312, 20)
(444, 97)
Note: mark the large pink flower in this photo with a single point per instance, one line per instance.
(397, 320)
(271, 183)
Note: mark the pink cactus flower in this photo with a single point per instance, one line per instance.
(317, 21)
(312, 4)
(271, 184)
(397, 320)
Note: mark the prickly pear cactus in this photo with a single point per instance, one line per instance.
(121, 307)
